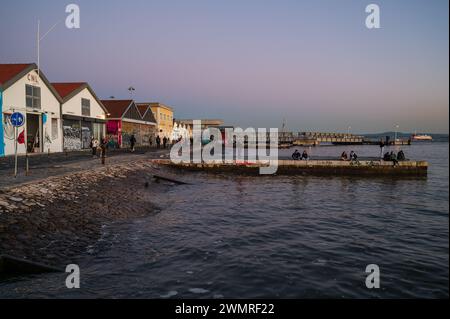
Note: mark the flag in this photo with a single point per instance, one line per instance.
(21, 138)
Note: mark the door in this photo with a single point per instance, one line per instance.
(34, 133)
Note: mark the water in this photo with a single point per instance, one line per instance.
(291, 237)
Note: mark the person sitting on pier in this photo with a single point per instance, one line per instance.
(386, 157)
(393, 158)
(353, 156)
(401, 156)
(305, 155)
(344, 156)
(296, 155)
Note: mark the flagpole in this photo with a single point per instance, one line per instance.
(38, 47)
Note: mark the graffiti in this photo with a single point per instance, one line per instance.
(2, 144)
(72, 138)
(86, 136)
(8, 127)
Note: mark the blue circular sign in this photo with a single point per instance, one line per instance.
(17, 119)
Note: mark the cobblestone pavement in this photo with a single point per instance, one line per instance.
(42, 166)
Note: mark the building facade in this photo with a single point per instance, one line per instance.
(149, 131)
(83, 115)
(164, 118)
(26, 90)
(206, 123)
(124, 120)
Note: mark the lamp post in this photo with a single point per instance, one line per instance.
(348, 130)
(396, 130)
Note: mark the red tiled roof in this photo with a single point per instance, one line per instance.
(64, 89)
(9, 71)
(116, 108)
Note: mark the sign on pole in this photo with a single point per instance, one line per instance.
(17, 120)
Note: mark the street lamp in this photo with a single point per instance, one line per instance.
(348, 130)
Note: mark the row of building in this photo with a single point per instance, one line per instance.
(65, 116)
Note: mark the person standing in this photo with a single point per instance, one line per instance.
(164, 142)
(94, 146)
(382, 148)
(158, 141)
(103, 146)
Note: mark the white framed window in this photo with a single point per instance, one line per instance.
(55, 130)
(85, 107)
(33, 96)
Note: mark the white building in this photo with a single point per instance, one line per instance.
(23, 89)
(83, 115)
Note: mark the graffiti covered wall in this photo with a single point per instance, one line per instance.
(2, 143)
(72, 135)
(129, 129)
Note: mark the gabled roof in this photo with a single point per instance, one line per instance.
(65, 89)
(117, 108)
(11, 73)
(146, 112)
(69, 90)
(143, 108)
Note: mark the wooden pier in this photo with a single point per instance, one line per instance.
(316, 138)
(320, 167)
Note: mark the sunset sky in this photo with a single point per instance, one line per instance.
(251, 62)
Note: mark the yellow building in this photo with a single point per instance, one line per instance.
(164, 118)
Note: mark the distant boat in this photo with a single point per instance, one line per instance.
(422, 137)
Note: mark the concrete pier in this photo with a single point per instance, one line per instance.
(319, 167)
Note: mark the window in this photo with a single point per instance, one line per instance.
(54, 129)
(85, 107)
(33, 96)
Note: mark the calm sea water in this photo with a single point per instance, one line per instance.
(291, 237)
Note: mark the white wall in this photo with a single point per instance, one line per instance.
(14, 98)
(73, 106)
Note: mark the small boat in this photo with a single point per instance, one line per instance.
(422, 137)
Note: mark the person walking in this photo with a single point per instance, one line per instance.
(132, 142)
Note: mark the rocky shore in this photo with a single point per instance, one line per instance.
(55, 219)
